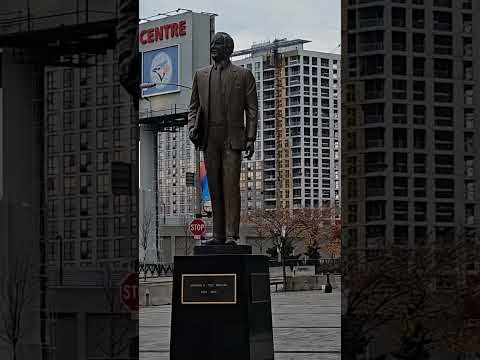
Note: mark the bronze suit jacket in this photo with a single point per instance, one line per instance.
(242, 107)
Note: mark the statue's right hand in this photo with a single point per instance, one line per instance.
(193, 134)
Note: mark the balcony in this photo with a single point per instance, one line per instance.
(371, 22)
(443, 3)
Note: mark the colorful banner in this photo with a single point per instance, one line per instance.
(204, 182)
(161, 67)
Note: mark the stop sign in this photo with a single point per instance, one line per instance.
(197, 228)
(129, 291)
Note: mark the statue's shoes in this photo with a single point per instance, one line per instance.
(214, 241)
(231, 241)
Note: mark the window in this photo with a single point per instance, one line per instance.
(85, 97)
(443, 116)
(69, 250)
(69, 164)
(85, 250)
(86, 184)
(85, 119)
(400, 210)
(375, 210)
(102, 227)
(69, 207)
(418, 90)
(399, 138)
(420, 163)
(103, 183)
(102, 205)
(444, 140)
(419, 114)
(68, 99)
(85, 206)
(70, 185)
(84, 143)
(400, 235)
(102, 161)
(69, 229)
(103, 139)
(445, 212)
(420, 213)
(67, 78)
(444, 164)
(400, 162)
(85, 162)
(444, 188)
(419, 139)
(399, 89)
(102, 95)
(400, 186)
(420, 189)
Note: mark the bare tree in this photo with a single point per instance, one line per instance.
(146, 228)
(318, 228)
(16, 295)
(284, 227)
(115, 327)
(409, 289)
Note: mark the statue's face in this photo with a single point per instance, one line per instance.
(218, 49)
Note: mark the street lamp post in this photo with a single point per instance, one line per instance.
(282, 249)
(59, 238)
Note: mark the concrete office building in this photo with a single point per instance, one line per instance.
(296, 164)
(410, 130)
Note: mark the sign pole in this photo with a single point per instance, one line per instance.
(198, 198)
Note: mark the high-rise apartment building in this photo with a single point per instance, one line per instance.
(90, 132)
(410, 167)
(296, 162)
(410, 139)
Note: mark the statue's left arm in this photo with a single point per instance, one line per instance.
(251, 112)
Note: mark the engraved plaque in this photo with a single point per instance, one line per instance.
(260, 287)
(209, 289)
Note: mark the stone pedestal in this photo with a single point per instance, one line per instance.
(221, 306)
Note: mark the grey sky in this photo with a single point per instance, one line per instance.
(251, 21)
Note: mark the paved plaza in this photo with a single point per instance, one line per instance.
(306, 326)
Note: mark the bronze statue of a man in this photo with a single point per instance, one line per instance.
(223, 123)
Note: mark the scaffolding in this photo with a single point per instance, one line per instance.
(283, 181)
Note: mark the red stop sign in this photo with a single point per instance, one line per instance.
(197, 227)
(129, 291)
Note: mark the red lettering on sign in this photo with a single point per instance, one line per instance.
(163, 32)
(182, 28)
(167, 30)
(150, 35)
(142, 37)
(174, 29)
(159, 33)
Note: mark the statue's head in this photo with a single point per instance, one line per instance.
(221, 47)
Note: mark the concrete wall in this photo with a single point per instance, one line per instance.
(20, 205)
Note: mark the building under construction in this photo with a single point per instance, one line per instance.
(297, 152)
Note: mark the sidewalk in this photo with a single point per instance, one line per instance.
(306, 326)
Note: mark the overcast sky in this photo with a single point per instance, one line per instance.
(251, 21)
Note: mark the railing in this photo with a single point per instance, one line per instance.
(154, 270)
(332, 266)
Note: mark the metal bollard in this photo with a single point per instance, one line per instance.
(147, 297)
